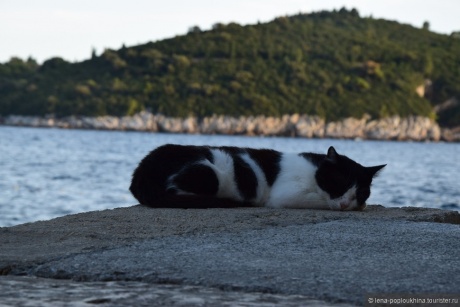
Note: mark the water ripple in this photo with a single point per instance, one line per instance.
(45, 173)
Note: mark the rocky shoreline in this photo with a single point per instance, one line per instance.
(413, 128)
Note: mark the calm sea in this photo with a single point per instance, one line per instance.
(46, 173)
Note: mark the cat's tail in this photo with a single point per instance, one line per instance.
(195, 202)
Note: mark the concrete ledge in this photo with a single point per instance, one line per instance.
(332, 257)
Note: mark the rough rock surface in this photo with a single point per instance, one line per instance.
(247, 256)
(49, 292)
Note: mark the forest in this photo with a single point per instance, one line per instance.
(333, 64)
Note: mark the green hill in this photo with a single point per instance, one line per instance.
(334, 64)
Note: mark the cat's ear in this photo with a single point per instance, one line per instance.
(332, 154)
(374, 170)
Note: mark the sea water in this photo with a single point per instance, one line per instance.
(46, 173)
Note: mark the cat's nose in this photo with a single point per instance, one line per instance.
(344, 206)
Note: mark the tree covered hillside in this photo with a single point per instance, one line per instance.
(334, 64)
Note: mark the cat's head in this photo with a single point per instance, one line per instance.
(345, 183)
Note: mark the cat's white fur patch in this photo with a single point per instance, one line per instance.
(263, 190)
(295, 186)
(225, 172)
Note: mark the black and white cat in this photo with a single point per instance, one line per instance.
(178, 176)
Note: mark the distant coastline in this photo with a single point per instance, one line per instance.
(413, 128)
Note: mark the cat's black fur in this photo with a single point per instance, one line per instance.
(178, 176)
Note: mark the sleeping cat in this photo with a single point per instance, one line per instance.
(178, 176)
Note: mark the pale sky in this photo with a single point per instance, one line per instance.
(71, 29)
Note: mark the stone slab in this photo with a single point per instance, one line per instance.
(331, 257)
